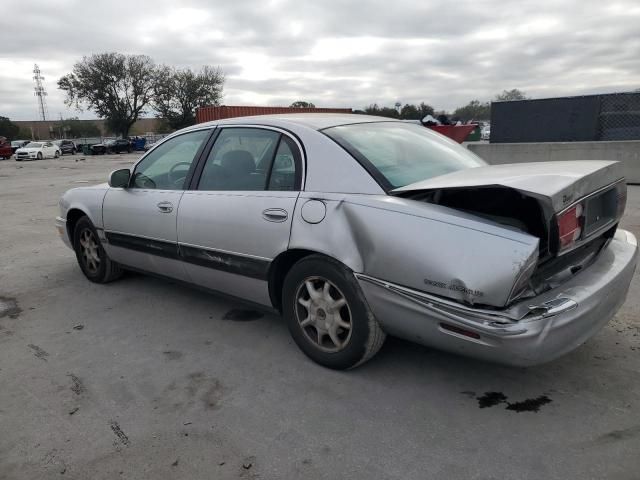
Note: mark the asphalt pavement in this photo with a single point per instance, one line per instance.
(148, 379)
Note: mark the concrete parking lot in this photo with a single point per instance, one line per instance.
(143, 378)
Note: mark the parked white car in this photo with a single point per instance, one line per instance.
(485, 133)
(38, 151)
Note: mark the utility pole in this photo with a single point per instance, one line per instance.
(40, 93)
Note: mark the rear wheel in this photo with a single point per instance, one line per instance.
(93, 260)
(327, 314)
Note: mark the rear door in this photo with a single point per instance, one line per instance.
(237, 217)
(140, 221)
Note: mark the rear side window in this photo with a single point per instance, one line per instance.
(283, 171)
(240, 160)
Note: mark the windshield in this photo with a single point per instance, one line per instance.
(34, 145)
(398, 154)
(17, 143)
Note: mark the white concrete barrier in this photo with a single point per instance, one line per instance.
(627, 152)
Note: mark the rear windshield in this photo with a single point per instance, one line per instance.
(399, 154)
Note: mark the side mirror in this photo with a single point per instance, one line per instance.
(120, 178)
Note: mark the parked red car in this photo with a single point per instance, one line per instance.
(5, 149)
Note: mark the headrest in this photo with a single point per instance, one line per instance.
(238, 162)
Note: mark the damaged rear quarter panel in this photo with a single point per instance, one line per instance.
(423, 246)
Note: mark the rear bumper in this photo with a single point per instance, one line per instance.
(580, 308)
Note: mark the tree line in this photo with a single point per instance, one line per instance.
(474, 110)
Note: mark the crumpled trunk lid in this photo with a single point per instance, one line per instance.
(559, 183)
(572, 207)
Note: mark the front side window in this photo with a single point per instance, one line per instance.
(398, 154)
(167, 166)
(240, 160)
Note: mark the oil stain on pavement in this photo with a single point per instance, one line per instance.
(491, 399)
(241, 315)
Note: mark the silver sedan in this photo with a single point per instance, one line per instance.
(355, 227)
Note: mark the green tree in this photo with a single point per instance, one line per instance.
(75, 128)
(302, 104)
(8, 128)
(115, 86)
(474, 110)
(415, 112)
(374, 109)
(410, 112)
(178, 93)
(425, 110)
(24, 134)
(510, 95)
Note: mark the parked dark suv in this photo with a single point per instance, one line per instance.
(16, 144)
(118, 146)
(66, 146)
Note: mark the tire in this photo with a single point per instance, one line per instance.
(39, 155)
(355, 344)
(93, 260)
(57, 154)
(73, 152)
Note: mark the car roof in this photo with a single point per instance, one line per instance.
(315, 121)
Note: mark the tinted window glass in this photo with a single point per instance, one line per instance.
(166, 167)
(239, 160)
(283, 172)
(402, 153)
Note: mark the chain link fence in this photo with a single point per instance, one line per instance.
(588, 118)
(619, 116)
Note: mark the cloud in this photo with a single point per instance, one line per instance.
(334, 52)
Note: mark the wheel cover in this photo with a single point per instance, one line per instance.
(323, 314)
(89, 251)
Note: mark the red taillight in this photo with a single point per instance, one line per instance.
(570, 226)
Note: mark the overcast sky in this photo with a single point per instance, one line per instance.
(334, 53)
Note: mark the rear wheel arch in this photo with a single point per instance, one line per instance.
(281, 265)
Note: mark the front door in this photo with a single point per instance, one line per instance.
(140, 221)
(238, 217)
(49, 150)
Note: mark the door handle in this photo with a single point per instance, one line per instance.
(165, 207)
(275, 215)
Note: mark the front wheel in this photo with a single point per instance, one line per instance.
(57, 154)
(93, 260)
(39, 156)
(327, 314)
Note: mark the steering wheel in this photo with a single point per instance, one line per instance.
(176, 178)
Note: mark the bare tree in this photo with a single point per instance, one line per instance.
(115, 86)
(178, 93)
